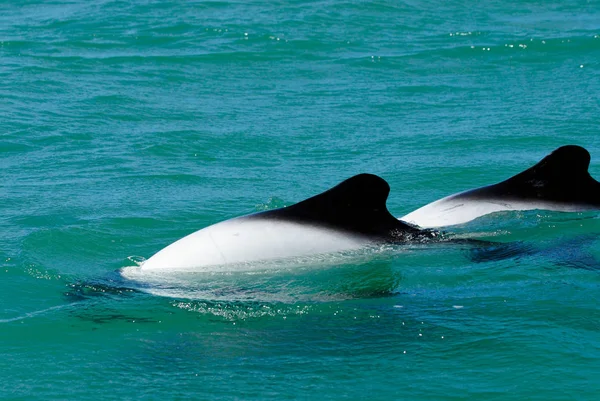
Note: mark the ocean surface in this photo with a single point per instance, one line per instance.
(125, 125)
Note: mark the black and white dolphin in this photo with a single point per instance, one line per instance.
(353, 215)
(349, 216)
(560, 182)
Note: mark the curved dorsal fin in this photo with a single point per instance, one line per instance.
(562, 177)
(356, 205)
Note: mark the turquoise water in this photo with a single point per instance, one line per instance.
(127, 125)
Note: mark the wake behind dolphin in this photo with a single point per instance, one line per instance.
(353, 215)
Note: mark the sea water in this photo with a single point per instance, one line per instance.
(127, 125)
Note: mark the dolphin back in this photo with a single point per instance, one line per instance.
(562, 177)
(560, 182)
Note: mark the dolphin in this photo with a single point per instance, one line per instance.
(559, 182)
(350, 216)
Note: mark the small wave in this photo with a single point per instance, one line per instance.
(318, 278)
(35, 313)
(138, 260)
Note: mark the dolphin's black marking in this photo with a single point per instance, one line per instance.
(562, 177)
(356, 206)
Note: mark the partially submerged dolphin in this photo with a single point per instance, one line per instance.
(353, 215)
(349, 216)
(560, 182)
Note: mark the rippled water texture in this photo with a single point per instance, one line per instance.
(127, 125)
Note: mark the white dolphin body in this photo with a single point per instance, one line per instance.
(242, 240)
(348, 217)
(460, 208)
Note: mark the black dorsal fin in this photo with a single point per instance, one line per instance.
(356, 205)
(560, 177)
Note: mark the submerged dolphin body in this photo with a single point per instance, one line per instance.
(349, 216)
(560, 182)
